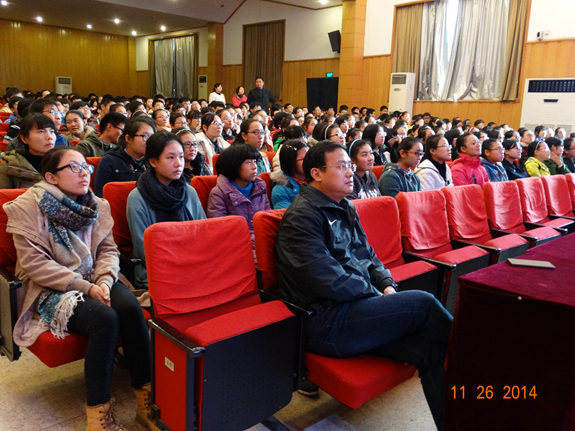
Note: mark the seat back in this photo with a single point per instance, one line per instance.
(214, 159)
(270, 155)
(533, 202)
(557, 194)
(379, 218)
(466, 212)
(502, 204)
(377, 170)
(266, 177)
(571, 184)
(266, 226)
(198, 264)
(7, 249)
(94, 161)
(116, 193)
(203, 186)
(423, 219)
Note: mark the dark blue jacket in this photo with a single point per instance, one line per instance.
(117, 165)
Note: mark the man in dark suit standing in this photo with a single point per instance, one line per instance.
(261, 94)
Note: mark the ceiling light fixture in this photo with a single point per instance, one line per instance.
(4, 3)
(89, 26)
(163, 28)
(39, 19)
(323, 1)
(134, 32)
(116, 20)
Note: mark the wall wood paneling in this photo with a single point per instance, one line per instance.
(295, 78)
(233, 78)
(142, 83)
(33, 55)
(376, 73)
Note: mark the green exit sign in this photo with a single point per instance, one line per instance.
(329, 75)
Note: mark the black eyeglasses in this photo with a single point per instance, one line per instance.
(76, 168)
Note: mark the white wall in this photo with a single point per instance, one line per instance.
(142, 46)
(306, 30)
(553, 15)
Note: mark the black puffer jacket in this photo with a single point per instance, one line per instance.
(117, 165)
(323, 255)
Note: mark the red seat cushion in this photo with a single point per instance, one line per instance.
(238, 322)
(354, 381)
(461, 255)
(7, 249)
(506, 241)
(54, 352)
(558, 222)
(408, 270)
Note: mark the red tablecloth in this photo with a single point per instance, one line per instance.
(515, 326)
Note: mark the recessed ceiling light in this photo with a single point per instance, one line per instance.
(323, 1)
(4, 3)
(163, 28)
(116, 20)
(89, 26)
(134, 32)
(39, 19)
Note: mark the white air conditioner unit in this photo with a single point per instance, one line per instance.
(203, 87)
(63, 85)
(401, 92)
(549, 102)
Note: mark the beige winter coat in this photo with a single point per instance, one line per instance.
(39, 266)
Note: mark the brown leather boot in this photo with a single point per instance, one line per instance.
(143, 396)
(102, 418)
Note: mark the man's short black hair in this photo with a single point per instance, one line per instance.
(11, 91)
(13, 101)
(232, 158)
(315, 157)
(260, 77)
(113, 118)
(78, 105)
(343, 108)
(254, 103)
(39, 105)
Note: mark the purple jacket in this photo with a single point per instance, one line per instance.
(225, 199)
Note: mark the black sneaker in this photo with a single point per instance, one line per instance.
(308, 388)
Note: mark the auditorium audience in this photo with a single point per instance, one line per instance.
(111, 128)
(125, 163)
(216, 94)
(210, 139)
(569, 154)
(492, 154)
(433, 171)
(289, 178)
(375, 135)
(399, 177)
(239, 97)
(77, 126)
(555, 161)
(537, 153)
(252, 133)
(513, 153)
(162, 119)
(364, 180)
(195, 163)
(162, 194)
(69, 264)
(467, 168)
(20, 168)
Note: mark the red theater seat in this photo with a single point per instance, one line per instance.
(534, 206)
(352, 381)
(557, 196)
(216, 346)
(571, 183)
(266, 177)
(377, 170)
(467, 219)
(203, 186)
(94, 161)
(503, 208)
(425, 234)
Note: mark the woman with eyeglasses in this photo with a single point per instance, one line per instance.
(569, 154)
(433, 172)
(162, 194)
(512, 152)
(195, 163)
(178, 121)
(252, 132)
(375, 135)
(289, 178)
(162, 120)
(399, 177)
(20, 168)
(238, 191)
(364, 180)
(210, 139)
(492, 154)
(228, 131)
(68, 264)
(125, 163)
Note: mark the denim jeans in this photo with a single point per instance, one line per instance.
(102, 324)
(411, 327)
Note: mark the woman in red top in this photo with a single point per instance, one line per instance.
(239, 97)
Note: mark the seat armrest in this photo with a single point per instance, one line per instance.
(129, 257)
(411, 257)
(459, 243)
(11, 278)
(176, 337)
(555, 216)
(294, 308)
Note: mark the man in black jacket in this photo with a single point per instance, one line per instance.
(262, 95)
(326, 264)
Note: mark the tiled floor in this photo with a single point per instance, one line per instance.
(34, 397)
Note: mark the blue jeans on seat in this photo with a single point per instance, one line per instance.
(102, 324)
(411, 327)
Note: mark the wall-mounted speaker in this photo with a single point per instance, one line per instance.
(335, 40)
